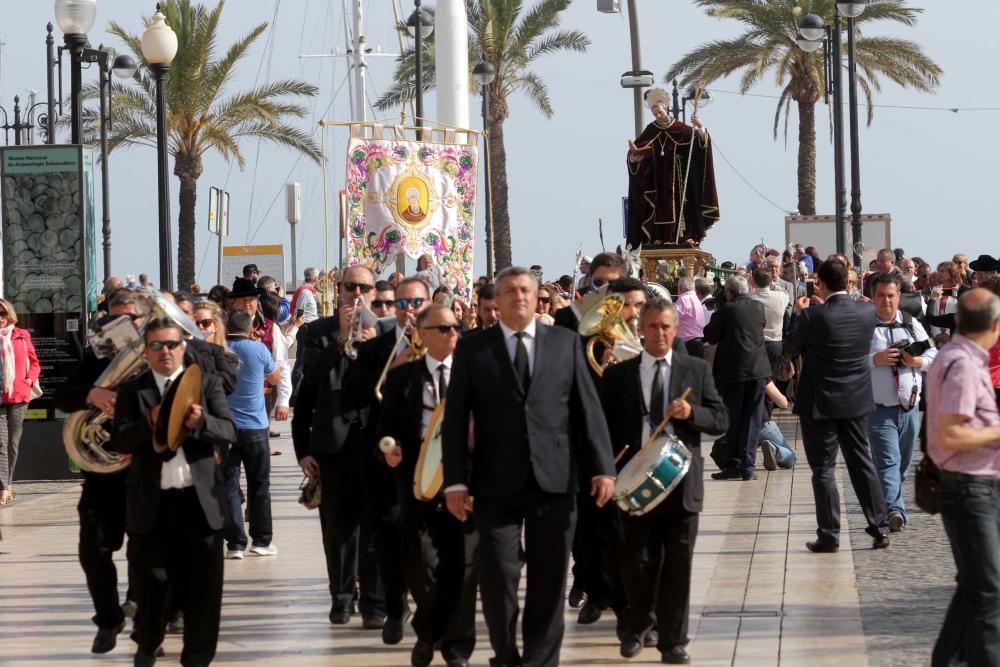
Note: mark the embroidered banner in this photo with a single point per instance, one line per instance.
(416, 198)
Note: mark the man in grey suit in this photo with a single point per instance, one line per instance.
(834, 401)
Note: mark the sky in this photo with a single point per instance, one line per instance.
(931, 169)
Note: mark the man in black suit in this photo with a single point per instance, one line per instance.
(605, 267)
(741, 372)
(538, 428)
(412, 296)
(176, 500)
(834, 400)
(440, 556)
(328, 432)
(637, 394)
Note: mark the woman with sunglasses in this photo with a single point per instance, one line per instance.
(19, 371)
(208, 318)
(543, 309)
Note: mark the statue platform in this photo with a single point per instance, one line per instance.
(681, 260)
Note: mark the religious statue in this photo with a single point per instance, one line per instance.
(671, 193)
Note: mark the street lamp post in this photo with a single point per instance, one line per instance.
(484, 73)
(852, 10)
(75, 18)
(420, 26)
(159, 46)
(50, 64)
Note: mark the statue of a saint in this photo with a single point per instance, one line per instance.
(671, 192)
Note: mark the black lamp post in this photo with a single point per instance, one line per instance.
(420, 26)
(852, 10)
(159, 46)
(50, 65)
(75, 18)
(484, 73)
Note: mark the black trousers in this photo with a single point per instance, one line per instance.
(102, 532)
(656, 569)
(589, 539)
(745, 403)
(820, 438)
(348, 523)
(441, 570)
(695, 347)
(389, 540)
(182, 549)
(546, 522)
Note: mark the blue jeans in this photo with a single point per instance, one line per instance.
(784, 454)
(970, 508)
(253, 451)
(892, 433)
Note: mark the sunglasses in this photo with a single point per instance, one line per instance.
(158, 345)
(544, 300)
(599, 282)
(379, 303)
(443, 328)
(402, 304)
(204, 324)
(131, 316)
(364, 287)
(3, 313)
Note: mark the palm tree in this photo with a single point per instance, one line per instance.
(203, 116)
(511, 39)
(768, 48)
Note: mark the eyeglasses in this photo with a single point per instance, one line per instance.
(204, 324)
(402, 304)
(158, 345)
(544, 300)
(379, 303)
(364, 287)
(599, 282)
(443, 328)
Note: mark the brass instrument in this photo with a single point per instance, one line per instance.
(86, 433)
(354, 328)
(417, 349)
(604, 324)
(326, 288)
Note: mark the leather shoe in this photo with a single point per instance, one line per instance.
(651, 639)
(675, 656)
(106, 639)
(630, 647)
(881, 542)
(340, 616)
(822, 547)
(728, 473)
(392, 633)
(457, 662)
(422, 654)
(589, 613)
(575, 597)
(749, 476)
(373, 623)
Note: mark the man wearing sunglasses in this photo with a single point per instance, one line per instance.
(412, 298)
(384, 303)
(604, 268)
(175, 499)
(438, 551)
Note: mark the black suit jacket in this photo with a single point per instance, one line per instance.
(621, 397)
(132, 435)
(835, 339)
(549, 432)
(737, 329)
(401, 418)
(72, 395)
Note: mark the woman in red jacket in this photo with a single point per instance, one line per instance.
(19, 372)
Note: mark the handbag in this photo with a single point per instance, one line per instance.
(785, 370)
(927, 485)
(312, 492)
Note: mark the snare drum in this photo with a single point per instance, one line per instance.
(651, 475)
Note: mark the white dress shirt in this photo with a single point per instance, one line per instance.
(895, 389)
(510, 340)
(432, 390)
(647, 367)
(175, 473)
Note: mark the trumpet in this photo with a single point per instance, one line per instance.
(354, 330)
(416, 347)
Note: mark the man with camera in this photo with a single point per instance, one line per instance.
(900, 354)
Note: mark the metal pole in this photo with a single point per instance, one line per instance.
(76, 44)
(17, 120)
(418, 47)
(491, 251)
(163, 176)
(676, 111)
(633, 31)
(360, 63)
(840, 194)
(105, 187)
(852, 73)
(50, 64)
(295, 268)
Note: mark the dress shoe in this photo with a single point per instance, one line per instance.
(749, 476)
(769, 452)
(340, 616)
(373, 623)
(392, 633)
(422, 654)
(106, 638)
(651, 639)
(575, 597)
(728, 473)
(880, 542)
(630, 647)
(457, 662)
(589, 613)
(675, 656)
(896, 521)
(822, 547)
(143, 660)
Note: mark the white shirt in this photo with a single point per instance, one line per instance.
(647, 367)
(175, 473)
(280, 353)
(883, 382)
(307, 302)
(432, 390)
(510, 340)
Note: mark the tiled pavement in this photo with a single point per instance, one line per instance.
(759, 598)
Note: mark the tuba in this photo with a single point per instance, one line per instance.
(604, 324)
(86, 433)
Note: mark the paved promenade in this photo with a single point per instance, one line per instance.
(759, 597)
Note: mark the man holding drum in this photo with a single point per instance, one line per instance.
(637, 395)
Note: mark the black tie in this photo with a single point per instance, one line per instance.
(656, 394)
(521, 362)
(442, 383)
(166, 386)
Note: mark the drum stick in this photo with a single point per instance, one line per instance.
(666, 420)
(621, 454)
